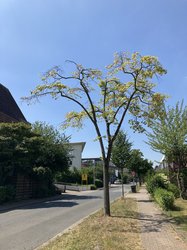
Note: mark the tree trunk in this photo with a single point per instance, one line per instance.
(179, 182)
(122, 186)
(182, 187)
(106, 189)
(140, 180)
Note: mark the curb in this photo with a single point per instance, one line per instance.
(73, 226)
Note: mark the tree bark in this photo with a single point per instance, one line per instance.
(122, 186)
(140, 180)
(179, 182)
(106, 188)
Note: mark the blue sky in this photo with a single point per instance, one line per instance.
(36, 35)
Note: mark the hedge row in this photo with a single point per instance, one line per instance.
(7, 193)
(162, 191)
(164, 198)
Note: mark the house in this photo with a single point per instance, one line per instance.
(11, 113)
(76, 153)
(9, 110)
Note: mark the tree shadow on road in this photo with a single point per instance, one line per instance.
(79, 197)
(64, 200)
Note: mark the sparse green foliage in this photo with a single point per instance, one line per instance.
(169, 132)
(126, 87)
(169, 136)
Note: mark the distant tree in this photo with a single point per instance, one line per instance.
(121, 153)
(139, 165)
(145, 168)
(169, 137)
(106, 99)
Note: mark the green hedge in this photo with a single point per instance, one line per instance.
(43, 182)
(93, 187)
(98, 183)
(2, 194)
(164, 198)
(174, 189)
(7, 193)
(154, 182)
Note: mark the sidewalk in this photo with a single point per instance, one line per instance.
(157, 233)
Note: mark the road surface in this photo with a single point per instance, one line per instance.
(27, 227)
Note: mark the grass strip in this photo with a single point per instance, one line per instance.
(179, 213)
(120, 231)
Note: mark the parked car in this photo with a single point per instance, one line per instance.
(117, 181)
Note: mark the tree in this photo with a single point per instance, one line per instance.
(121, 153)
(55, 148)
(50, 134)
(139, 165)
(23, 148)
(169, 136)
(18, 147)
(106, 99)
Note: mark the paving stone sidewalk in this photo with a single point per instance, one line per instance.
(157, 233)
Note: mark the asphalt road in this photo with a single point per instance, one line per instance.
(27, 227)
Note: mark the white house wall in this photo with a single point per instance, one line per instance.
(77, 149)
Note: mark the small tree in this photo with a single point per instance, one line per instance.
(169, 136)
(106, 99)
(121, 153)
(139, 165)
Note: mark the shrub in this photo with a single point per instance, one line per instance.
(164, 198)
(93, 187)
(2, 194)
(70, 176)
(43, 182)
(174, 189)
(7, 193)
(154, 182)
(10, 193)
(98, 183)
(43, 191)
(42, 173)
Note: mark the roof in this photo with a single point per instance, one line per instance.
(9, 110)
(82, 144)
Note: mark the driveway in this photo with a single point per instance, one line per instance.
(29, 226)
